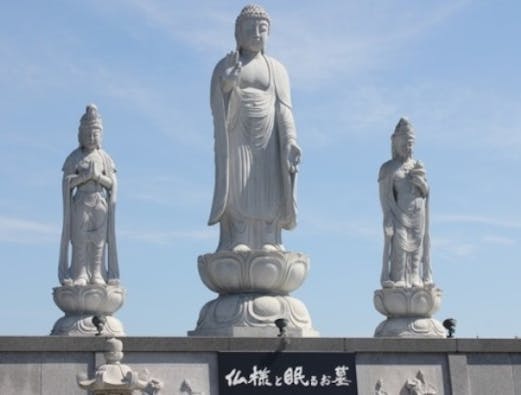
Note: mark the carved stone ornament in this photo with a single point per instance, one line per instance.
(418, 385)
(186, 389)
(378, 388)
(115, 378)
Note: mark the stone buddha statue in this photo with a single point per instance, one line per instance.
(256, 153)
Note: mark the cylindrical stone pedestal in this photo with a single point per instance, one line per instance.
(409, 312)
(253, 290)
(81, 303)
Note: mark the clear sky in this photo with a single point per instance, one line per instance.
(452, 67)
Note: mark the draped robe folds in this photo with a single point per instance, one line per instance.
(89, 215)
(406, 231)
(252, 132)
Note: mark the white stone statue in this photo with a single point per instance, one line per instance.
(256, 153)
(256, 159)
(89, 202)
(113, 377)
(404, 196)
(408, 297)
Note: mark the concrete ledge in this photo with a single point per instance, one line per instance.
(213, 344)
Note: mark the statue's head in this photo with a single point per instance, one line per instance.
(91, 128)
(403, 140)
(252, 28)
(113, 350)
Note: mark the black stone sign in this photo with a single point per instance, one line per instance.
(286, 373)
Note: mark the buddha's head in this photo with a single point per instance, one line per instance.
(91, 129)
(252, 28)
(113, 351)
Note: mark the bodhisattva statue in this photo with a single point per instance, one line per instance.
(256, 153)
(89, 201)
(404, 196)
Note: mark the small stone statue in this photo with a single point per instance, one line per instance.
(113, 377)
(89, 202)
(404, 196)
(256, 152)
(90, 283)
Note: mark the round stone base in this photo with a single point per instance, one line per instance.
(274, 272)
(253, 315)
(408, 302)
(89, 299)
(410, 327)
(81, 325)
(82, 302)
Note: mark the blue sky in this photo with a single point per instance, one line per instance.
(452, 67)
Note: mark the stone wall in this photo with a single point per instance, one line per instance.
(49, 365)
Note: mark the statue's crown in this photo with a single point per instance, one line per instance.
(252, 11)
(91, 118)
(404, 128)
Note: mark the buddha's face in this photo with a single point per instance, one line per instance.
(253, 34)
(404, 146)
(113, 356)
(90, 138)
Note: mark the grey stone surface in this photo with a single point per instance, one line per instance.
(458, 372)
(49, 373)
(49, 365)
(516, 372)
(59, 370)
(20, 373)
(490, 373)
(179, 344)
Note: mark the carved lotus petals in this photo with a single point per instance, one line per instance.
(410, 327)
(265, 308)
(255, 271)
(253, 310)
(264, 273)
(89, 299)
(229, 309)
(407, 302)
(298, 312)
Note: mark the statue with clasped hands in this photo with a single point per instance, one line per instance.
(89, 188)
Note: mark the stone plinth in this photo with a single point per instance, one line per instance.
(253, 289)
(409, 312)
(81, 303)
